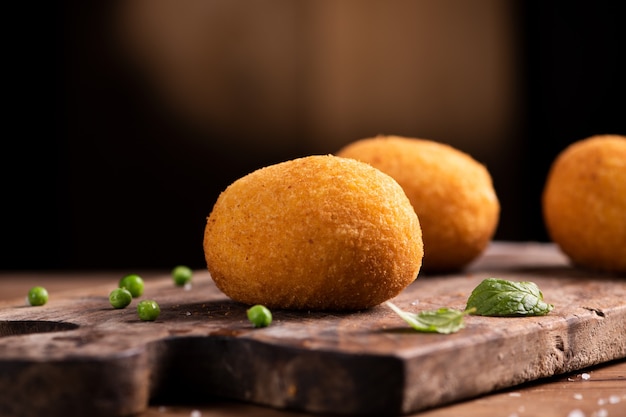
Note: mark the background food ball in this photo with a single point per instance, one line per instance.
(451, 192)
(584, 202)
(319, 232)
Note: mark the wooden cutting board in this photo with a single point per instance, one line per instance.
(78, 356)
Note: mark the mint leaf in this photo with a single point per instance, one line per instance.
(444, 320)
(499, 297)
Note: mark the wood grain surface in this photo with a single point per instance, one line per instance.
(76, 355)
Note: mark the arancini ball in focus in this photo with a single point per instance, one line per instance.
(451, 192)
(584, 202)
(314, 233)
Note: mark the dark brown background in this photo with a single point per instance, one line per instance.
(126, 119)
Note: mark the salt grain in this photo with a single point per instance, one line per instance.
(578, 396)
(576, 413)
(600, 413)
(187, 286)
(601, 401)
(515, 394)
(614, 399)
(188, 313)
(196, 413)
(585, 376)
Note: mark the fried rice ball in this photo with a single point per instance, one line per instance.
(451, 192)
(584, 202)
(314, 233)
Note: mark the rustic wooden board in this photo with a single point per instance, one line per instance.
(78, 356)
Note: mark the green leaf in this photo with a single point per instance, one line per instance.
(443, 320)
(499, 297)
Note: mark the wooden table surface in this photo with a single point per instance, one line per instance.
(598, 391)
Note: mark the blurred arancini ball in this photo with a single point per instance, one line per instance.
(584, 202)
(451, 193)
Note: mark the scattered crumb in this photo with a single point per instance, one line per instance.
(576, 413)
(571, 379)
(196, 413)
(500, 356)
(188, 313)
(578, 396)
(585, 376)
(515, 394)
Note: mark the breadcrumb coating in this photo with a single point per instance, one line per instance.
(316, 233)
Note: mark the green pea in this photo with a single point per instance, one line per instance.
(133, 283)
(181, 275)
(259, 316)
(120, 297)
(37, 296)
(148, 310)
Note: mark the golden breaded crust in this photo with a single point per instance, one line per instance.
(319, 232)
(451, 192)
(584, 202)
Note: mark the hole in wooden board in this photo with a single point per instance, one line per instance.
(16, 328)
